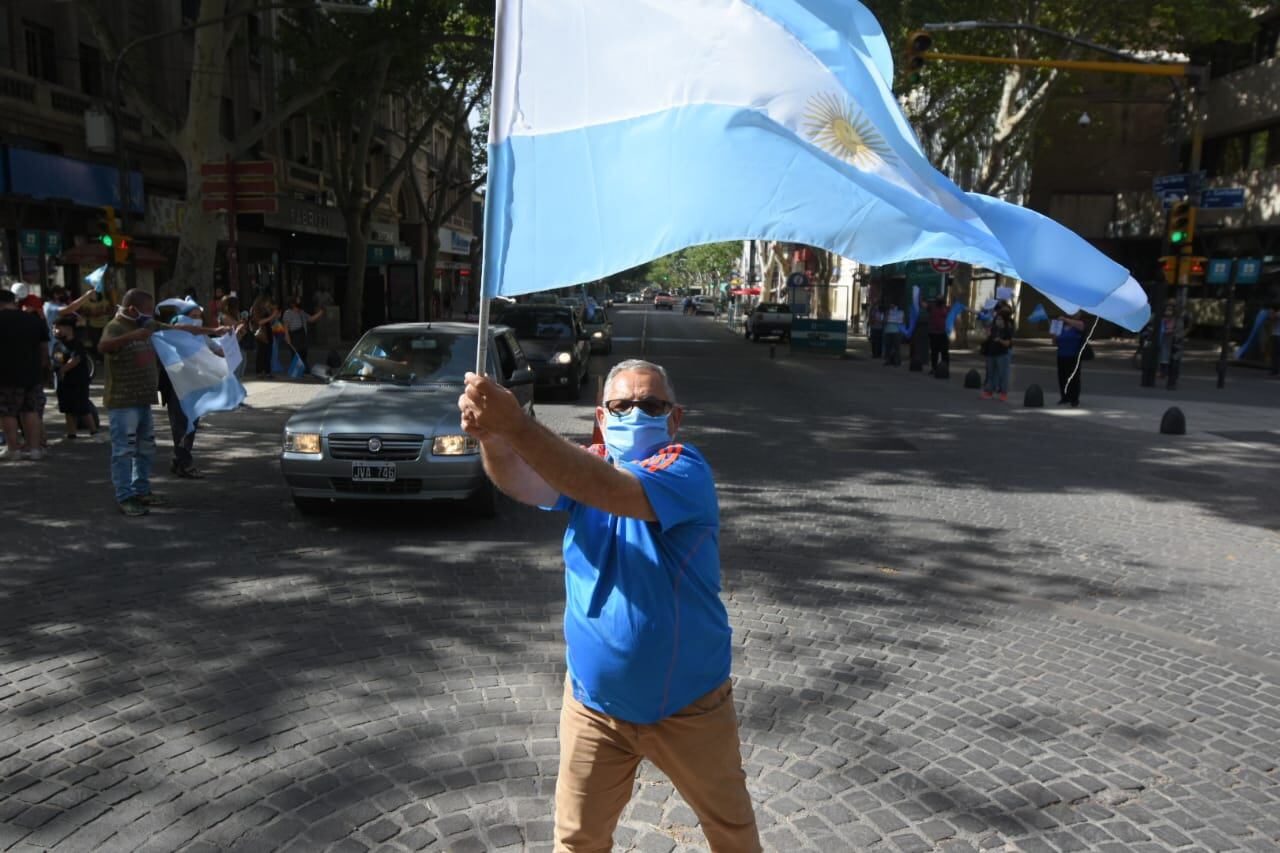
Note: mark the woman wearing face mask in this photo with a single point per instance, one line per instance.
(295, 323)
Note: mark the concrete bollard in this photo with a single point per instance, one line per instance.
(1173, 422)
(1033, 398)
(973, 379)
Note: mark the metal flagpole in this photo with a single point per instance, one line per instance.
(490, 233)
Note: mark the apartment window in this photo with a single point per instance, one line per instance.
(227, 120)
(42, 59)
(1258, 149)
(90, 71)
(255, 41)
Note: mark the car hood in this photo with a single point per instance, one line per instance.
(355, 407)
(543, 350)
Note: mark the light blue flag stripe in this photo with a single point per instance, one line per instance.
(627, 192)
(201, 380)
(572, 205)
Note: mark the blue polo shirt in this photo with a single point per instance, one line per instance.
(645, 630)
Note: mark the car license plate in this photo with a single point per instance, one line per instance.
(373, 472)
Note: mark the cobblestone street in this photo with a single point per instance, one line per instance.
(958, 624)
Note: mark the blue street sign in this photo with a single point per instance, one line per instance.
(1248, 270)
(1168, 197)
(1222, 198)
(1219, 271)
(1180, 183)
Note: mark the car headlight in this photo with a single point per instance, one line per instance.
(454, 445)
(302, 442)
(562, 358)
(597, 334)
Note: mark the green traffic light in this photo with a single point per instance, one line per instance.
(1177, 236)
(107, 241)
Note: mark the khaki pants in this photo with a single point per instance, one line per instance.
(698, 749)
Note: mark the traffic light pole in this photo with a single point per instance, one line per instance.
(1227, 322)
(919, 51)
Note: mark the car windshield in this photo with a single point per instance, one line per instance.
(540, 325)
(410, 357)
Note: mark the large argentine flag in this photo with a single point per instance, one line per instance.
(203, 381)
(622, 130)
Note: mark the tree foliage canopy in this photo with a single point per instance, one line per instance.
(979, 122)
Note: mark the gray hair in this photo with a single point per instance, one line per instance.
(641, 364)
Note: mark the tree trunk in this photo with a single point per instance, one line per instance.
(429, 270)
(197, 243)
(357, 259)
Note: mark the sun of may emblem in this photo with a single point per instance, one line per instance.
(838, 127)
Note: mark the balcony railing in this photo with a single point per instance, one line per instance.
(53, 102)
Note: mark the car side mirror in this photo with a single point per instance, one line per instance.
(522, 376)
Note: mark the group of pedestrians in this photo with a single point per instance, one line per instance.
(886, 329)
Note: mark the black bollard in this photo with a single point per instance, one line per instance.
(771, 348)
(973, 379)
(1033, 398)
(1173, 422)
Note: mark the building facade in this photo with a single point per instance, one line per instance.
(60, 168)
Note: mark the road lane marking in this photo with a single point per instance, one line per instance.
(642, 340)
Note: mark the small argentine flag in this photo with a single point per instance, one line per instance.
(622, 130)
(203, 380)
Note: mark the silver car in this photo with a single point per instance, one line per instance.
(387, 428)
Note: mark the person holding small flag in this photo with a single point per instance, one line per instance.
(133, 377)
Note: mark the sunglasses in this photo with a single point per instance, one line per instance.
(651, 406)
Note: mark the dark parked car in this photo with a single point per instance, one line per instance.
(599, 332)
(386, 428)
(769, 319)
(555, 343)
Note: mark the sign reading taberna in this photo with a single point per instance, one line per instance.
(829, 336)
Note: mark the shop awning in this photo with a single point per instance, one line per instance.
(95, 255)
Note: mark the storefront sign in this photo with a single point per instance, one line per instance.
(379, 255)
(29, 242)
(455, 242)
(819, 335)
(308, 218)
(40, 175)
(387, 233)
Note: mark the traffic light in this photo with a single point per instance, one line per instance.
(1182, 224)
(1169, 268)
(1192, 269)
(116, 244)
(919, 43)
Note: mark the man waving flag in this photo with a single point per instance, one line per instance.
(622, 131)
